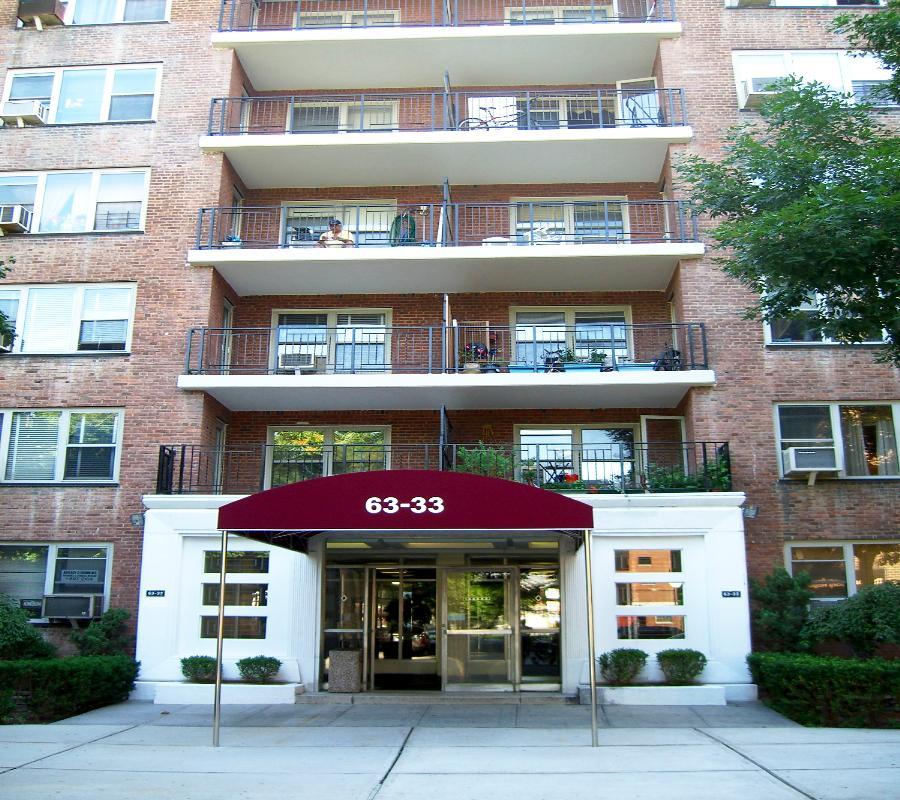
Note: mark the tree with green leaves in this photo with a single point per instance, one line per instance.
(807, 205)
(6, 326)
(879, 34)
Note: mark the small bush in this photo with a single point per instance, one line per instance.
(19, 639)
(867, 619)
(484, 460)
(106, 636)
(199, 669)
(621, 666)
(835, 692)
(46, 690)
(258, 669)
(781, 611)
(681, 667)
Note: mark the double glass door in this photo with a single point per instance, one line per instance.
(451, 628)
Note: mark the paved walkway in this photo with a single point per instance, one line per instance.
(444, 752)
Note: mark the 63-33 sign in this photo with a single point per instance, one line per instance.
(417, 505)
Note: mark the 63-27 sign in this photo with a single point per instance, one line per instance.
(417, 505)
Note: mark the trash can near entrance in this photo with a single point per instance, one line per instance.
(344, 671)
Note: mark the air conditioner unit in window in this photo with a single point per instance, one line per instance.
(41, 12)
(24, 112)
(751, 4)
(751, 93)
(72, 606)
(808, 460)
(15, 219)
(296, 362)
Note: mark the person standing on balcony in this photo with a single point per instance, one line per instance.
(335, 236)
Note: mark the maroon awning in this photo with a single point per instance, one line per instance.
(403, 500)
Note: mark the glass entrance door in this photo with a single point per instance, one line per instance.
(478, 642)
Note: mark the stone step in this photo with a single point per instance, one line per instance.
(436, 698)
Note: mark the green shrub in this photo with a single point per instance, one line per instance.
(621, 666)
(45, 690)
(680, 666)
(18, 637)
(258, 669)
(781, 611)
(835, 692)
(484, 460)
(199, 669)
(867, 619)
(106, 636)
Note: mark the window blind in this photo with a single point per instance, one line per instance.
(33, 444)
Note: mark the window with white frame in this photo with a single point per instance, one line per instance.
(840, 569)
(592, 335)
(29, 571)
(69, 318)
(600, 456)
(335, 341)
(864, 435)
(549, 15)
(77, 95)
(756, 70)
(79, 202)
(301, 453)
(367, 221)
(60, 446)
(246, 594)
(104, 12)
(801, 329)
(314, 116)
(346, 19)
(575, 220)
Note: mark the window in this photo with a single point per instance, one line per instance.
(549, 15)
(367, 221)
(234, 627)
(346, 19)
(840, 569)
(249, 561)
(599, 457)
(297, 454)
(331, 341)
(648, 560)
(30, 571)
(340, 117)
(582, 334)
(661, 586)
(800, 328)
(79, 202)
(237, 594)
(572, 221)
(103, 12)
(68, 318)
(89, 94)
(79, 446)
(864, 435)
(756, 70)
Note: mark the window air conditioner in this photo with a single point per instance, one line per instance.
(752, 4)
(751, 93)
(72, 606)
(806, 460)
(296, 362)
(24, 112)
(15, 219)
(41, 12)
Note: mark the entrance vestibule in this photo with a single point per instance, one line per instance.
(446, 621)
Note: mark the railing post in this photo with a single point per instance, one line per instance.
(684, 117)
(365, 13)
(456, 347)
(181, 470)
(622, 466)
(292, 107)
(200, 215)
(705, 466)
(187, 354)
(297, 24)
(222, 13)
(430, 348)
(352, 351)
(263, 457)
(682, 228)
(362, 114)
(703, 344)
(201, 352)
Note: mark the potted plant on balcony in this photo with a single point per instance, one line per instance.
(484, 460)
(479, 357)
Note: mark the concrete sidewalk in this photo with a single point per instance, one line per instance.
(444, 752)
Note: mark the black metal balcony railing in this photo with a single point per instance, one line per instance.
(297, 347)
(269, 15)
(623, 467)
(516, 109)
(450, 225)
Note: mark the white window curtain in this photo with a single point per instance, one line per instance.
(81, 96)
(48, 320)
(91, 12)
(870, 446)
(33, 443)
(67, 203)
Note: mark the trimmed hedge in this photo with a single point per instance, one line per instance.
(833, 692)
(50, 689)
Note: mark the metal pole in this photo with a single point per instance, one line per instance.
(592, 668)
(220, 636)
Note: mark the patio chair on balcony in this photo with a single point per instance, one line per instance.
(668, 361)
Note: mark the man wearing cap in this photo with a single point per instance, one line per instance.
(335, 236)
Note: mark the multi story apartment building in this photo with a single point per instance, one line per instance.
(261, 242)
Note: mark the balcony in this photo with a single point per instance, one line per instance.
(469, 138)
(611, 468)
(307, 367)
(548, 245)
(407, 43)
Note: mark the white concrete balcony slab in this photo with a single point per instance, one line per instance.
(388, 391)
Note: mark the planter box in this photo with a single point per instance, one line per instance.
(703, 695)
(180, 693)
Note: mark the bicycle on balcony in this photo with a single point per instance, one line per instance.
(517, 119)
